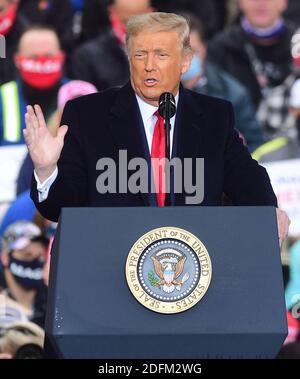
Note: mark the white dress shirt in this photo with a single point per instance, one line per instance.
(149, 121)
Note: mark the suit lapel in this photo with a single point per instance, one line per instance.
(127, 127)
(189, 136)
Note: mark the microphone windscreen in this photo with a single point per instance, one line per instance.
(167, 105)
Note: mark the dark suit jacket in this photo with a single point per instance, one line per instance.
(103, 123)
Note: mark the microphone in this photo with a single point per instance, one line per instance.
(167, 109)
(167, 105)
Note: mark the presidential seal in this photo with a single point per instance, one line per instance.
(168, 270)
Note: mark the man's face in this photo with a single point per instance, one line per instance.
(198, 47)
(199, 51)
(156, 64)
(36, 43)
(34, 250)
(262, 13)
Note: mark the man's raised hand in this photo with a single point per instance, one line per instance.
(43, 147)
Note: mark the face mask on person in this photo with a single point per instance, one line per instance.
(29, 274)
(7, 20)
(194, 70)
(41, 72)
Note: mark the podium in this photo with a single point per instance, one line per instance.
(91, 312)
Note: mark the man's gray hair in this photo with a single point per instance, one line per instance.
(159, 22)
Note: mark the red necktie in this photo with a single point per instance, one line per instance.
(158, 151)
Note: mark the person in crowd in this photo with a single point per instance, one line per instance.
(23, 255)
(12, 25)
(256, 51)
(286, 146)
(40, 61)
(57, 14)
(292, 12)
(207, 78)
(103, 61)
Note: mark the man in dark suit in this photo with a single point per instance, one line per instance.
(100, 125)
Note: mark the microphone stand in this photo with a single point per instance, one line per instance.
(168, 156)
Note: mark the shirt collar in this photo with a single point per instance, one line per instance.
(148, 110)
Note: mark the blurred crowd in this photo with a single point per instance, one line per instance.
(245, 51)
